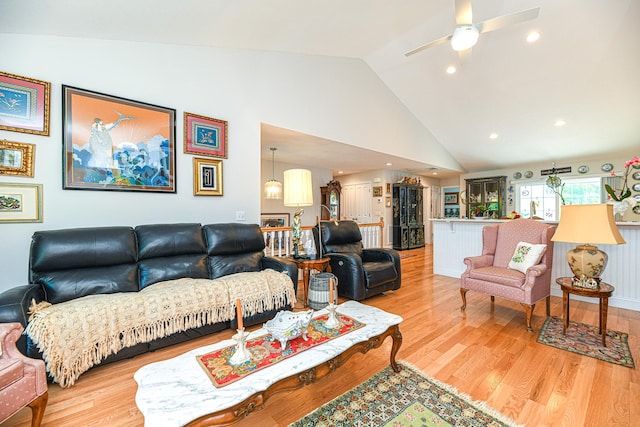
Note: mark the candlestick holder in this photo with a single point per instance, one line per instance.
(332, 322)
(242, 354)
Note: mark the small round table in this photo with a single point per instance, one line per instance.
(602, 292)
(306, 265)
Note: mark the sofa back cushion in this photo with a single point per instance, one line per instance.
(345, 237)
(72, 263)
(233, 248)
(170, 251)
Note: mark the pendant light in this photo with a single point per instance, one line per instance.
(273, 188)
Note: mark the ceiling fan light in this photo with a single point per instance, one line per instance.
(464, 37)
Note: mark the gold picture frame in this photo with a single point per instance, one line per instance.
(377, 191)
(26, 106)
(20, 202)
(207, 177)
(17, 158)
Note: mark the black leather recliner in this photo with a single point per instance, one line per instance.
(361, 272)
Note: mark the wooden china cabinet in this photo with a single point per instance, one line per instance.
(330, 197)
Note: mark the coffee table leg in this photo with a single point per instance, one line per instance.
(397, 342)
(604, 308)
(565, 306)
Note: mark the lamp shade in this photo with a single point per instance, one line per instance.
(588, 224)
(273, 189)
(298, 187)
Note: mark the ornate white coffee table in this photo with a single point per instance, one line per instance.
(178, 392)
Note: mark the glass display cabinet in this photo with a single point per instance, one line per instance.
(486, 197)
(408, 227)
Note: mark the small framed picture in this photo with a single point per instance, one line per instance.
(207, 177)
(388, 188)
(451, 198)
(20, 202)
(268, 220)
(24, 104)
(205, 136)
(17, 158)
(116, 144)
(387, 202)
(377, 191)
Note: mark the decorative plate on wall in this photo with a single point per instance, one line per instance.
(583, 169)
(636, 187)
(517, 175)
(607, 167)
(636, 176)
(636, 209)
(528, 174)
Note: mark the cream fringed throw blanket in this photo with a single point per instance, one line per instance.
(75, 335)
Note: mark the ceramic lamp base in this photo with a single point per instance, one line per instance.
(587, 261)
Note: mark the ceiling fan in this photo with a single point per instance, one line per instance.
(466, 33)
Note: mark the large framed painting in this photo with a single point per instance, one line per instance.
(112, 143)
(207, 177)
(17, 158)
(20, 202)
(24, 104)
(205, 136)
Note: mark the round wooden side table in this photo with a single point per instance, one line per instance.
(306, 265)
(602, 292)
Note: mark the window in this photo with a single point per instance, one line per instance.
(537, 199)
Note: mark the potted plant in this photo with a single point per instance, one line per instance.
(481, 211)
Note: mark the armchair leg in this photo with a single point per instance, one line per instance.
(529, 312)
(493, 299)
(548, 305)
(463, 294)
(37, 409)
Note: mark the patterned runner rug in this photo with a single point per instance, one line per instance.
(584, 339)
(266, 351)
(407, 398)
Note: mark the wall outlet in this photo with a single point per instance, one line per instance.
(240, 216)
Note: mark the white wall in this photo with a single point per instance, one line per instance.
(334, 98)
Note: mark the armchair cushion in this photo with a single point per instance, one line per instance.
(11, 370)
(526, 255)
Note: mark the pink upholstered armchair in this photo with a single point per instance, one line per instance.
(23, 381)
(491, 274)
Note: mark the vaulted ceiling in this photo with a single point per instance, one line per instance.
(582, 70)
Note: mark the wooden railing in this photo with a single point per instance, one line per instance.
(278, 239)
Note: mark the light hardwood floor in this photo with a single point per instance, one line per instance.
(486, 352)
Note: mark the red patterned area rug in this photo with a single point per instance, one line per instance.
(584, 339)
(266, 351)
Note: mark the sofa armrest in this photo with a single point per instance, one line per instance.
(347, 267)
(282, 264)
(14, 307)
(479, 261)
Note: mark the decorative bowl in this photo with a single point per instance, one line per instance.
(287, 325)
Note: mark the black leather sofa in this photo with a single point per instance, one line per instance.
(361, 273)
(72, 263)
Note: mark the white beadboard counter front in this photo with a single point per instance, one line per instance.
(455, 239)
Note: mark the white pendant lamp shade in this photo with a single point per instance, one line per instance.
(273, 188)
(298, 187)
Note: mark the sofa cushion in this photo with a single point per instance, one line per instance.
(164, 240)
(232, 238)
(76, 262)
(169, 268)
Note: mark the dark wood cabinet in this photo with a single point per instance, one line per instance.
(330, 197)
(487, 193)
(408, 226)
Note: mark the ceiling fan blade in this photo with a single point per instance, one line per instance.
(506, 20)
(428, 45)
(464, 15)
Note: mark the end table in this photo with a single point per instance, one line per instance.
(602, 292)
(306, 265)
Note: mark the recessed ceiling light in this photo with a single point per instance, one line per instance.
(533, 36)
(560, 122)
(493, 135)
(451, 69)
(434, 173)
(341, 172)
(388, 164)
